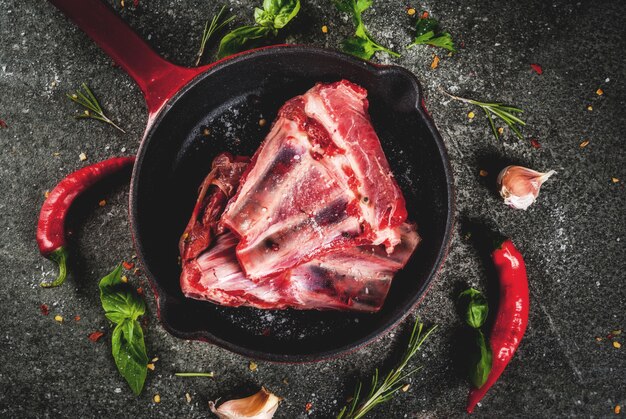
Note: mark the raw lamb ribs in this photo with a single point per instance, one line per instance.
(317, 220)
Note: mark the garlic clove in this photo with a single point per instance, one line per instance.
(261, 405)
(519, 186)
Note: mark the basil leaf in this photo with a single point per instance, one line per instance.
(426, 33)
(473, 307)
(123, 306)
(359, 47)
(118, 299)
(287, 10)
(480, 362)
(129, 352)
(426, 25)
(241, 39)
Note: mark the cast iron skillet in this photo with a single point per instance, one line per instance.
(227, 100)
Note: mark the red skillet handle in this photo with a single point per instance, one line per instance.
(158, 79)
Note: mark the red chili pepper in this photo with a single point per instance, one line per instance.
(51, 226)
(512, 317)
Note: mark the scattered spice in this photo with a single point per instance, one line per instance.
(262, 122)
(599, 92)
(616, 344)
(500, 130)
(77, 318)
(46, 194)
(102, 203)
(140, 291)
(128, 265)
(537, 69)
(157, 398)
(285, 381)
(252, 366)
(82, 157)
(206, 132)
(155, 359)
(45, 310)
(136, 271)
(308, 406)
(406, 387)
(424, 15)
(483, 173)
(598, 339)
(589, 108)
(58, 318)
(435, 62)
(410, 11)
(471, 115)
(324, 29)
(584, 144)
(124, 279)
(3, 124)
(535, 143)
(617, 410)
(150, 366)
(188, 397)
(95, 336)
(614, 180)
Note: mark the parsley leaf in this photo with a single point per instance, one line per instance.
(274, 15)
(427, 32)
(123, 307)
(361, 44)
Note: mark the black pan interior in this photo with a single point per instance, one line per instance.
(227, 102)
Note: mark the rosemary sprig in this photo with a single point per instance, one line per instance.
(209, 30)
(93, 109)
(392, 383)
(194, 374)
(505, 113)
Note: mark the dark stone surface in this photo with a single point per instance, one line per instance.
(572, 238)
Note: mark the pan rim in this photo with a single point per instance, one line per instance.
(161, 297)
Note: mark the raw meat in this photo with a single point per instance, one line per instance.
(355, 279)
(319, 182)
(317, 222)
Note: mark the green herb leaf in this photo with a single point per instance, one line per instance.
(505, 113)
(474, 307)
(118, 299)
(123, 307)
(426, 33)
(210, 30)
(93, 110)
(241, 39)
(481, 361)
(383, 392)
(274, 15)
(361, 44)
(129, 352)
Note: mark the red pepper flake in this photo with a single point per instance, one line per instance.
(128, 265)
(140, 291)
(537, 68)
(77, 318)
(136, 271)
(266, 332)
(95, 336)
(3, 124)
(45, 310)
(135, 3)
(308, 406)
(424, 15)
(535, 143)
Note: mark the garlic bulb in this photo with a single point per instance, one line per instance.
(261, 405)
(520, 186)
